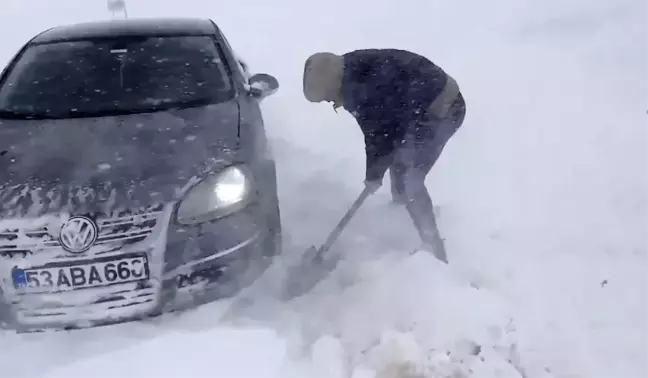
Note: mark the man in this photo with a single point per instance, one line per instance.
(407, 108)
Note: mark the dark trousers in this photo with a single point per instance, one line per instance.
(413, 161)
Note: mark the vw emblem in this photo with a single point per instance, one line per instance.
(78, 234)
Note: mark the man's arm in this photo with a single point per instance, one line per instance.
(381, 138)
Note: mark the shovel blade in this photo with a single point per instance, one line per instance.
(303, 277)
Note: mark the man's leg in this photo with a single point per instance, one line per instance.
(397, 180)
(421, 210)
(419, 158)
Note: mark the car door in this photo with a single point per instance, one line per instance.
(252, 128)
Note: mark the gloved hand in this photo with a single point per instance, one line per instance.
(373, 186)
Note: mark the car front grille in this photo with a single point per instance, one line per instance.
(128, 227)
(35, 309)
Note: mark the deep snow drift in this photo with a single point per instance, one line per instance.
(542, 196)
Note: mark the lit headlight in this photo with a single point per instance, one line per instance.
(217, 196)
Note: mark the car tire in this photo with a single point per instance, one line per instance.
(272, 243)
(274, 233)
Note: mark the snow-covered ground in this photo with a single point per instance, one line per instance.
(542, 196)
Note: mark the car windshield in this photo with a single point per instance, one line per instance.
(91, 78)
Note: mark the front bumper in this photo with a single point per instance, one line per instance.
(187, 265)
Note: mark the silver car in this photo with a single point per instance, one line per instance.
(135, 173)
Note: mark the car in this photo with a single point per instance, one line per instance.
(136, 176)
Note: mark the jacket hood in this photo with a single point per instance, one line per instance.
(107, 163)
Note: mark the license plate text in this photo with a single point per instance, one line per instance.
(81, 276)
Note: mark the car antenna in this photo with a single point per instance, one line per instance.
(116, 6)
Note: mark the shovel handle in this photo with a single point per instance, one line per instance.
(343, 222)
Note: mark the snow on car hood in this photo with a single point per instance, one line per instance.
(107, 163)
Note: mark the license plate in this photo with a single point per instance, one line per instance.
(82, 275)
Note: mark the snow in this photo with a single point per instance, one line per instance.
(262, 345)
(104, 167)
(542, 196)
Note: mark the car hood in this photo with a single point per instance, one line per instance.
(103, 164)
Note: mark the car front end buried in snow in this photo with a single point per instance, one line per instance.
(135, 174)
(79, 270)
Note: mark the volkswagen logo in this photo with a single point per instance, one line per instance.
(78, 234)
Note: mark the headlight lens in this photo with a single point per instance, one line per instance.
(217, 196)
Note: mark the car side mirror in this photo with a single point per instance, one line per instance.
(263, 85)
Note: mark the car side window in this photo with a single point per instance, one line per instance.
(241, 67)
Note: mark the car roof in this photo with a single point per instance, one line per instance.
(127, 27)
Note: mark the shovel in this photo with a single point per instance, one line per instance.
(314, 267)
(300, 277)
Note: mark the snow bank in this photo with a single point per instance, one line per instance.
(393, 313)
(406, 315)
(216, 352)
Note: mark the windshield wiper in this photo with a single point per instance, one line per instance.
(9, 114)
(150, 109)
(171, 105)
(187, 104)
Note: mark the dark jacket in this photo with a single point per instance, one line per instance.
(386, 90)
